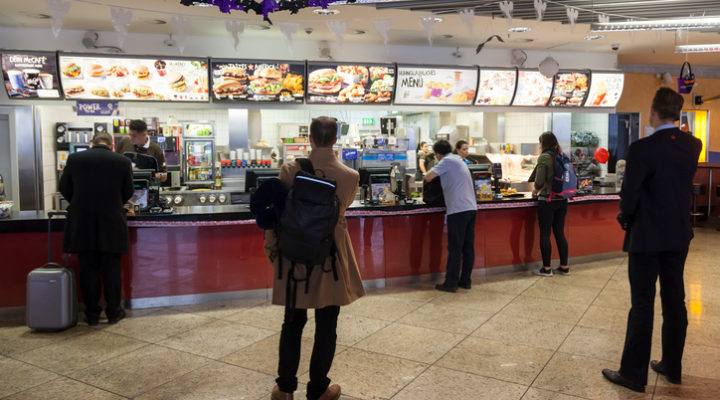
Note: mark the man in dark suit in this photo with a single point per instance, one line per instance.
(97, 183)
(655, 213)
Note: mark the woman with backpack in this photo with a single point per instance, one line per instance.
(551, 210)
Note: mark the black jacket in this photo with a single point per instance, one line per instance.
(97, 183)
(656, 193)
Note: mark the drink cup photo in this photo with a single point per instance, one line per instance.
(46, 81)
(32, 78)
(16, 79)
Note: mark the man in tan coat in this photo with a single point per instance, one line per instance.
(325, 294)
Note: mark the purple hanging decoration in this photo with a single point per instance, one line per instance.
(268, 6)
(320, 3)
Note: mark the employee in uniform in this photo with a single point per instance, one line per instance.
(139, 142)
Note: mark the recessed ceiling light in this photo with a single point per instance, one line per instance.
(447, 36)
(594, 37)
(34, 15)
(519, 29)
(258, 27)
(326, 11)
(357, 32)
(154, 21)
(438, 20)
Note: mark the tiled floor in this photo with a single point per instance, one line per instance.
(511, 337)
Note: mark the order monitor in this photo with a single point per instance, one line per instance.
(255, 177)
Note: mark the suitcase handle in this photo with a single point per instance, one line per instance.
(52, 214)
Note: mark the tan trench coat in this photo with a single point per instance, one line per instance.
(323, 290)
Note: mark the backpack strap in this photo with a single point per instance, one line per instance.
(306, 165)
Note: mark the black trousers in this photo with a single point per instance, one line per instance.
(100, 273)
(461, 247)
(551, 216)
(322, 354)
(643, 270)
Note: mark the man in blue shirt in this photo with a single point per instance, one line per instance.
(461, 209)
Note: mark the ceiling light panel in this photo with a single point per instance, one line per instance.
(698, 48)
(654, 25)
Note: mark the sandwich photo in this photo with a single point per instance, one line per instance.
(74, 90)
(142, 92)
(238, 74)
(229, 87)
(117, 71)
(71, 70)
(324, 81)
(266, 81)
(95, 71)
(99, 91)
(176, 81)
(141, 72)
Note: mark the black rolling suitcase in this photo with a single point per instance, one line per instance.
(51, 293)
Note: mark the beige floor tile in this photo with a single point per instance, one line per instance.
(522, 331)
(411, 342)
(595, 343)
(582, 376)
(605, 318)
(703, 332)
(416, 292)
(216, 339)
(137, 372)
(692, 387)
(17, 376)
(619, 281)
(613, 298)
(539, 394)
(350, 329)
(220, 310)
(480, 300)
(82, 351)
(214, 381)
(157, 326)
(555, 289)
(386, 308)
(16, 337)
(442, 383)
(545, 309)
(372, 376)
(64, 389)
(596, 281)
(701, 361)
(513, 284)
(446, 318)
(266, 316)
(519, 364)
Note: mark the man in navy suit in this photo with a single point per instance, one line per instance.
(655, 213)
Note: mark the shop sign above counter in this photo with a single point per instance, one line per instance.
(533, 89)
(258, 81)
(332, 83)
(436, 85)
(605, 89)
(571, 89)
(30, 74)
(496, 86)
(99, 77)
(97, 108)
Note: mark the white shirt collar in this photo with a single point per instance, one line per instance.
(147, 144)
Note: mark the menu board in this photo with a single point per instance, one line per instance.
(260, 81)
(605, 89)
(533, 89)
(571, 89)
(496, 87)
(30, 75)
(432, 86)
(134, 78)
(350, 83)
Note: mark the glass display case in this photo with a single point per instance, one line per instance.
(198, 153)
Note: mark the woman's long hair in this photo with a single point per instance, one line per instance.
(548, 141)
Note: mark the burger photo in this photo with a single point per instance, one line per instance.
(266, 81)
(324, 81)
(74, 90)
(99, 91)
(176, 81)
(95, 70)
(71, 70)
(142, 92)
(229, 87)
(141, 72)
(238, 74)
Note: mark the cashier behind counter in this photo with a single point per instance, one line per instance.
(139, 142)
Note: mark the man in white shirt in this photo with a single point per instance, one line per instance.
(461, 209)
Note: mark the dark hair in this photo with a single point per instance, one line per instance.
(548, 141)
(459, 145)
(102, 138)
(668, 104)
(323, 131)
(442, 147)
(138, 125)
(420, 145)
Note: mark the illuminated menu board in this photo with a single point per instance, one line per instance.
(259, 81)
(30, 74)
(605, 89)
(97, 77)
(496, 87)
(571, 89)
(331, 83)
(436, 85)
(533, 89)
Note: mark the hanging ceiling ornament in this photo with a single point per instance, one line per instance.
(235, 28)
(180, 27)
(468, 16)
(428, 23)
(263, 7)
(383, 27)
(549, 67)
(288, 29)
(507, 8)
(121, 20)
(572, 14)
(338, 28)
(603, 19)
(58, 9)
(268, 6)
(481, 45)
(540, 7)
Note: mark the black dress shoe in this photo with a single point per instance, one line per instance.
(445, 288)
(467, 285)
(120, 315)
(92, 321)
(658, 367)
(616, 378)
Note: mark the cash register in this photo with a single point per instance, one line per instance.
(146, 196)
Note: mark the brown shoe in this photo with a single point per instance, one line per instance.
(278, 395)
(332, 393)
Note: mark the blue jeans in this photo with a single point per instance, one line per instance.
(461, 249)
